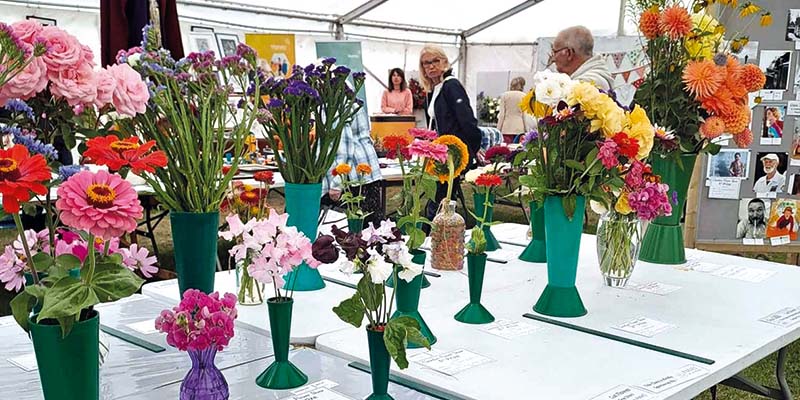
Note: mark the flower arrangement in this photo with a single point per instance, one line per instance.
(486, 183)
(418, 97)
(200, 321)
(378, 253)
(315, 99)
(16, 54)
(691, 65)
(249, 201)
(488, 108)
(351, 201)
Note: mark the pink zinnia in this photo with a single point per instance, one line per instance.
(137, 257)
(608, 154)
(100, 203)
(426, 149)
(423, 134)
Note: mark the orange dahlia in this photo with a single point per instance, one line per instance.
(676, 22)
(363, 169)
(21, 174)
(743, 139)
(457, 150)
(738, 120)
(752, 77)
(713, 127)
(702, 78)
(117, 153)
(650, 23)
(720, 103)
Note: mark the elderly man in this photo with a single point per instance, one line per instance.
(573, 54)
(773, 180)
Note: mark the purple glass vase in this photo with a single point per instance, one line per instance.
(204, 381)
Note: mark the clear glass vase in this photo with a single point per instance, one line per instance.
(447, 238)
(618, 241)
(251, 292)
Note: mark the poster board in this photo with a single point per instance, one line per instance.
(276, 50)
(347, 53)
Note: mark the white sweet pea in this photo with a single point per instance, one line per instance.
(379, 270)
(347, 267)
(597, 207)
(409, 272)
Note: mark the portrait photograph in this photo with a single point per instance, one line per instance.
(227, 43)
(783, 219)
(770, 172)
(753, 215)
(794, 185)
(775, 64)
(772, 124)
(729, 163)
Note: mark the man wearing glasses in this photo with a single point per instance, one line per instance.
(573, 54)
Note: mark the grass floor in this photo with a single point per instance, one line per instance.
(763, 371)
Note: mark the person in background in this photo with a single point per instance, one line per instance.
(397, 99)
(573, 54)
(510, 120)
(774, 123)
(356, 147)
(736, 169)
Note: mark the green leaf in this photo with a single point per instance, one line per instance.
(416, 237)
(42, 261)
(68, 262)
(67, 298)
(21, 306)
(713, 148)
(429, 187)
(569, 204)
(575, 165)
(400, 331)
(371, 293)
(112, 282)
(351, 310)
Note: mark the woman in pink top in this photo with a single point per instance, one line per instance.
(397, 99)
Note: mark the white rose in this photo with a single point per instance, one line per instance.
(134, 59)
(549, 92)
(472, 175)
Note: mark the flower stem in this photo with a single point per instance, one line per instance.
(24, 240)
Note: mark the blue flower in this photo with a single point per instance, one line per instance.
(66, 171)
(35, 146)
(359, 75)
(15, 105)
(275, 103)
(341, 70)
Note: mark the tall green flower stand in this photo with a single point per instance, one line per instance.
(68, 366)
(281, 374)
(379, 363)
(479, 200)
(407, 301)
(535, 251)
(663, 241)
(355, 225)
(475, 312)
(417, 257)
(302, 205)
(194, 236)
(560, 298)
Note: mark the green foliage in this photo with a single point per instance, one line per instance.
(398, 332)
(351, 310)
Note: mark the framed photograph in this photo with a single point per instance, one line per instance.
(775, 64)
(729, 163)
(793, 25)
(794, 185)
(783, 219)
(770, 173)
(42, 20)
(749, 53)
(227, 43)
(198, 28)
(202, 41)
(753, 214)
(772, 124)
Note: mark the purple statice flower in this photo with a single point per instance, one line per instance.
(359, 75)
(529, 137)
(275, 103)
(297, 70)
(66, 171)
(19, 106)
(341, 70)
(34, 145)
(244, 51)
(675, 197)
(309, 68)
(329, 61)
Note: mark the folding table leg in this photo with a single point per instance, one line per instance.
(745, 384)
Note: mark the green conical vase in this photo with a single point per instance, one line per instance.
(194, 237)
(355, 225)
(560, 298)
(417, 257)
(480, 202)
(302, 205)
(663, 241)
(68, 366)
(407, 301)
(379, 363)
(475, 312)
(535, 251)
(281, 374)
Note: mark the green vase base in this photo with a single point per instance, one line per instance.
(491, 242)
(474, 313)
(379, 397)
(281, 375)
(663, 244)
(562, 302)
(425, 282)
(308, 279)
(535, 252)
(423, 328)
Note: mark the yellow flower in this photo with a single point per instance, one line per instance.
(608, 118)
(732, 3)
(638, 127)
(703, 41)
(587, 95)
(541, 110)
(748, 9)
(254, 210)
(343, 169)
(766, 19)
(247, 188)
(525, 103)
(622, 205)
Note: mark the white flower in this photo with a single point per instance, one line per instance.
(549, 92)
(597, 207)
(409, 272)
(134, 59)
(347, 267)
(379, 270)
(473, 175)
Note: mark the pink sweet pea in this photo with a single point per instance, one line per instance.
(608, 154)
(12, 270)
(199, 321)
(136, 257)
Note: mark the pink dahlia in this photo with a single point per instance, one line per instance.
(426, 149)
(100, 203)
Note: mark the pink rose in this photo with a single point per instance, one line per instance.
(27, 30)
(131, 94)
(87, 55)
(105, 88)
(76, 85)
(65, 50)
(32, 80)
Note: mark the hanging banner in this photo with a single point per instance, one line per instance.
(618, 57)
(626, 75)
(276, 50)
(346, 53)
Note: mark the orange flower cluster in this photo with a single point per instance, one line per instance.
(650, 23)
(363, 169)
(342, 169)
(676, 22)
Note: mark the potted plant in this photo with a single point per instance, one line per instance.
(351, 200)
(201, 324)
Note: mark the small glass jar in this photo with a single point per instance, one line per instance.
(447, 238)
(618, 241)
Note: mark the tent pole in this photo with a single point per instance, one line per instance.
(462, 57)
(621, 23)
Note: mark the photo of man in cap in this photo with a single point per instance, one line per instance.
(772, 180)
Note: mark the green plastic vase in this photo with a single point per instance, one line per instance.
(535, 251)
(68, 366)
(407, 301)
(355, 225)
(560, 298)
(281, 374)
(663, 241)
(417, 257)
(379, 364)
(480, 200)
(194, 236)
(302, 205)
(475, 312)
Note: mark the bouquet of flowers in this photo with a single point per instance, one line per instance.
(417, 94)
(16, 55)
(488, 108)
(199, 322)
(350, 200)
(304, 115)
(691, 66)
(377, 253)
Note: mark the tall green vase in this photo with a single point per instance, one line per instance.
(535, 252)
(475, 312)
(560, 298)
(407, 301)
(379, 363)
(194, 236)
(302, 205)
(480, 201)
(281, 374)
(355, 225)
(663, 241)
(68, 366)
(417, 257)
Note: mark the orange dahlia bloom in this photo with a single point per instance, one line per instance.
(743, 139)
(363, 169)
(712, 128)
(455, 149)
(738, 120)
(676, 22)
(720, 103)
(21, 174)
(650, 23)
(117, 153)
(703, 78)
(752, 77)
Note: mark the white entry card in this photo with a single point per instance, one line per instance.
(508, 329)
(746, 274)
(753, 242)
(658, 288)
(146, 327)
(703, 266)
(319, 393)
(455, 361)
(785, 317)
(677, 378)
(26, 362)
(643, 326)
(793, 107)
(724, 188)
(780, 240)
(623, 392)
(311, 387)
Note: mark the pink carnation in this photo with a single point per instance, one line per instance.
(64, 50)
(29, 82)
(426, 149)
(651, 201)
(609, 154)
(100, 203)
(76, 85)
(105, 88)
(130, 95)
(27, 30)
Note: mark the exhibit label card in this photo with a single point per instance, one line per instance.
(746, 274)
(320, 393)
(677, 378)
(26, 362)
(644, 326)
(724, 188)
(311, 387)
(785, 317)
(658, 288)
(455, 361)
(780, 240)
(793, 107)
(623, 392)
(146, 327)
(508, 329)
(753, 242)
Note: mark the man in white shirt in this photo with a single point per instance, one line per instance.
(773, 181)
(573, 54)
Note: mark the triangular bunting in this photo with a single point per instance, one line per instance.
(626, 75)
(640, 72)
(618, 57)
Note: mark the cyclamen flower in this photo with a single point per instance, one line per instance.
(426, 149)
(608, 154)
(136, 257)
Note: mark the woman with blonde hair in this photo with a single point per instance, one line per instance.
(510, 119)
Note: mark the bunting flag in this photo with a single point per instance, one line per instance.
(640, 71)
(626, 75)
(618, 57)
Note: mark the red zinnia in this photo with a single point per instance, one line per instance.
(627, 146)
(264, 176)
(227, 168)
(21, 174)
(117, 153)
(488, 180)
(391, 144)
